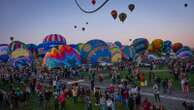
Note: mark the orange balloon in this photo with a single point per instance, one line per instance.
(54, 52)
(157, 44)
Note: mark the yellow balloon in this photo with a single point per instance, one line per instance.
(20, 53)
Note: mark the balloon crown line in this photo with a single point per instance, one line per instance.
(93, 2)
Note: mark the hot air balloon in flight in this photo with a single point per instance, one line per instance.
(114, 14)
(93, 2)
(131, 7)
(122, 17)
(185, 4)
(83, 28)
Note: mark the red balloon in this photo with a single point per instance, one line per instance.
(114, 14)
(93, 2)
(177, 46)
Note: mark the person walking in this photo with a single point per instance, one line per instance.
(156, 93)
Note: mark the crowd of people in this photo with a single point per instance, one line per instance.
(19, 86)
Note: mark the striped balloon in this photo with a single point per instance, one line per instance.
(54, 38)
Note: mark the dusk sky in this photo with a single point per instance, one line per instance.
(31, 20)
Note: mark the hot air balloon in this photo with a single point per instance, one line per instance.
(70, 56)
(53, 40)
(20, 53)
(21, 62)
(167, 46)
(50, 41)
(128, 52)
(16, 45)
(64, 56)
(177, 46)
(4, 52)
(116, 54)
(184, 53)
(95, 51)
(152, 57)
(114, 14)
(131, 7)
(32, 48)
(83, 28)
(157, 44)
(185, 4)
(93, 2)
(117, 43)
(140, 45)
(185, 48)
(122, 17)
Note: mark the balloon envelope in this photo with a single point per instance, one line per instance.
(16, 45)
(114, 14)
(95, 51)
(177, 46)
(20, 53)
(122, 17)
(131, 7)
(21, 62)
(128, 52)
(157, 44)
(116, 54)
(140, 45)
(4, 52)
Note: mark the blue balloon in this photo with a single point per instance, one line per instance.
(167, 46)
(95, 51)
(140, 45)
(4, 52)
(21, 62)
(128, 52)
(185, 48)
(117, 43)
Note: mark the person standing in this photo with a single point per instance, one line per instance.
(75, 94)
(131, 102)
(92, 84)
(169, 86)
(102, 103)
(156, 93)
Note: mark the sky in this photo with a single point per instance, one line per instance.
(31, 20)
